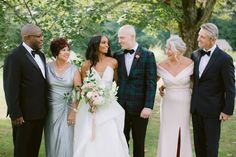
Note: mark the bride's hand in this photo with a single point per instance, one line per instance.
(90, 102)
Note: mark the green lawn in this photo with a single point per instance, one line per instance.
(227, 143)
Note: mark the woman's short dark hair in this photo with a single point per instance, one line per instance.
(92, 50)
(57, 45)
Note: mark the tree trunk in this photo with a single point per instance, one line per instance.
(194, 15)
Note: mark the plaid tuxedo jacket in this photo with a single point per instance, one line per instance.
(137, 90)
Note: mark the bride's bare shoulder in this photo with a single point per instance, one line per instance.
(112, 62)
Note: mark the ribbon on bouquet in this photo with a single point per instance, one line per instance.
(93, 123)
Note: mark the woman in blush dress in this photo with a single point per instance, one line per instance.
(175, 71)
(109, 139)
(63, 78)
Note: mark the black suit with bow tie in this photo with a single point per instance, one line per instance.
(26, 96)
(212, 94)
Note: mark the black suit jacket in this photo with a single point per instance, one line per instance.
(214, 91)
(24, 85)
(137, 90)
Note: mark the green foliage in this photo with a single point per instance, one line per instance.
(79, 20)
(227, 29)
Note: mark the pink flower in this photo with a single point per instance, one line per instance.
(137, 56)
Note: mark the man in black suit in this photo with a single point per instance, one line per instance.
(213, 91)
(137, 86)
(25, 87)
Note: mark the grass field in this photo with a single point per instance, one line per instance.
(227, 143)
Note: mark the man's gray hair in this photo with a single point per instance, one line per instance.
(176, 44)
(212, 30)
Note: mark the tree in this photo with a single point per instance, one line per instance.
(176, 16)
(224, 16)
(78, 20)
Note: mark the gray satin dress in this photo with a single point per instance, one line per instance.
(58, 135)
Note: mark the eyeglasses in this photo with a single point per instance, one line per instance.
(36, 36)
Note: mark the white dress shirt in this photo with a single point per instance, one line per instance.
(129, 59)
(37, 59)
(204, 60)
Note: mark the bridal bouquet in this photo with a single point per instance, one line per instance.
(97, 94)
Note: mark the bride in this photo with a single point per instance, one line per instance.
(100, 134)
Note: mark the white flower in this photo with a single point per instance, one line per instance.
(97, 92)
(89, 95)
(98, 101)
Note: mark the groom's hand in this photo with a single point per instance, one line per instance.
(224, 116)
(146, 113)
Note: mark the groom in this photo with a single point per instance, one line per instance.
(137, 86)
(213, 91)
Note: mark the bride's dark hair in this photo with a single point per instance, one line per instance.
(92, 50)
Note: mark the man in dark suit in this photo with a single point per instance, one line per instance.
(213, 91)
(25, 89)
(137, 86)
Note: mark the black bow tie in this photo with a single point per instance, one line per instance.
(208, 53)
(129, 51)
(33, 52)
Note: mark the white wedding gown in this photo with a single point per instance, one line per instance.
(175, 114)
(109, 138)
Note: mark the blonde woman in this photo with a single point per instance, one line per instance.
(175, 71)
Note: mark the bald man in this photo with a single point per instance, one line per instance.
(137, 86)
(25, 88)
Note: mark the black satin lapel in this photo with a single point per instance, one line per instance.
(135, 60)
(133, 65)
(33, 61)
(123, 64)
(211, 62)
(44, 62)
(198, 58)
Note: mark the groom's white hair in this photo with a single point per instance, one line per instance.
(129, 29)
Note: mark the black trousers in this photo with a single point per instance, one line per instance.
(138, 126)
(27, 138)
(206, 133)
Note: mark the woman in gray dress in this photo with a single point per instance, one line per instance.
(63, 78)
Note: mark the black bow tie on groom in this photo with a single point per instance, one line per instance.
(208, 53)
(128, 51)
(33, 52)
